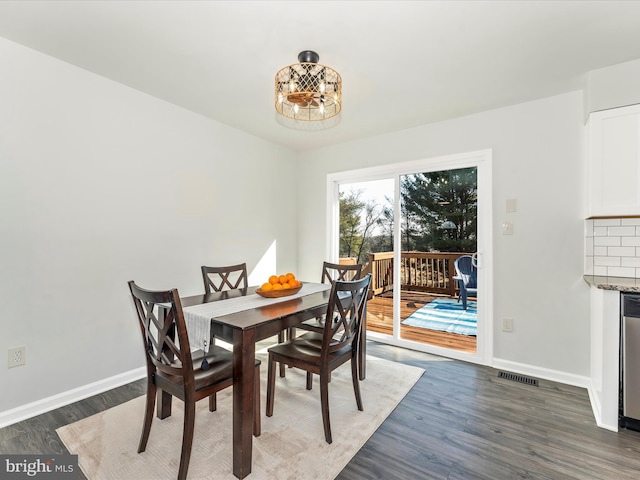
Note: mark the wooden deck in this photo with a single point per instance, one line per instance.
(380, 319)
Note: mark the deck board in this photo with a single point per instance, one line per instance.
(380, 319)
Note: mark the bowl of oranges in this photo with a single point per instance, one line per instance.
(280, 286)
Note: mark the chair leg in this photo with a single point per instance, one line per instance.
(356, 380)
(309, 380)
(271, 384)
(281, 339)
(148, 416)
(256, 403)
(324, 401)
(213, 405)
(187, 437)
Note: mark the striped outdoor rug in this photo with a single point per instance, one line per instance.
(446, 315)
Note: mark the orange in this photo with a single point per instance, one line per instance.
(293, 283)
(285, 285)
(283, 279)
(266, 286)
(277, 286)
(273, 279)
(290, 276)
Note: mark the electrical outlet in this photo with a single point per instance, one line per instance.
(507, 324)
(17, 356)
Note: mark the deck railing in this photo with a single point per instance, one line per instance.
(430, 272)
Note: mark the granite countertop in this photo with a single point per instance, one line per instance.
(621, 284)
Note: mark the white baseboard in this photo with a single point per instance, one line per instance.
(596, 406)
(561, 377)
(38, 407)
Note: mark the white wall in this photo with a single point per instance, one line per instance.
(101, 184)
(612, 87)
(537, 159)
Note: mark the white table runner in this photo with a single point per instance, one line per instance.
(198, 317)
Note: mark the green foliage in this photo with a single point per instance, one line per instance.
(429, 202)
(433, 201)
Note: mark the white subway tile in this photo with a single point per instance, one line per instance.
(622, 231)
(599, 270)
(606, 222)
(601, 251)
(606, 241)
(588, 265)
(630, 262)
(631, 221)
(600, 231)
(621, 272)
(588, 228)
(606, 261)
(621, 251)
(588, 246)
(630, 241)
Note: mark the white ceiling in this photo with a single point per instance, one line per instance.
(403, 64)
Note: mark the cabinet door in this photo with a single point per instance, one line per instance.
(614, 162)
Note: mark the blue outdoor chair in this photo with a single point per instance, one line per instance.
(467, 276)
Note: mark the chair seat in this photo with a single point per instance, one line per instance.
(305, 348)
(220, 362)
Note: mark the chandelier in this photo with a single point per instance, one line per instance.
(307, 90)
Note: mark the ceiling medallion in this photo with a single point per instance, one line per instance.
(307, 90)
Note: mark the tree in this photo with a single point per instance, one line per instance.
(440, 210)
(357, 222)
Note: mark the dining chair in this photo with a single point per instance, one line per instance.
(218, 279)
(330, 273)
(322, 353)
(176, 370)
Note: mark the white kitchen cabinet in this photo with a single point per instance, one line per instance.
(613, 162)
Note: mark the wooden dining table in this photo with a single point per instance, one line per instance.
(243, 329)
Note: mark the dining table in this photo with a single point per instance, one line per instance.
(241, 317)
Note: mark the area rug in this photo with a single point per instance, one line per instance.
(291, 446)
(447, 315)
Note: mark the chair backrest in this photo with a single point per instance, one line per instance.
(218, 279)
(164, 332)
(336, 271)
(347, 307)
(466, 271)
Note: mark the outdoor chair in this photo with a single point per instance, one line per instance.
(467, 276)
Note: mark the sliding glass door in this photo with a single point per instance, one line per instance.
(410, 226)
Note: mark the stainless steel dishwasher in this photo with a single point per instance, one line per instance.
(630, 362)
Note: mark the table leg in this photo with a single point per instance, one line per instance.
(244, 352)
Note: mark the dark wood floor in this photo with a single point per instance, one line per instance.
(460, 421)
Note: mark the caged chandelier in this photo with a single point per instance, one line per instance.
(307, 90)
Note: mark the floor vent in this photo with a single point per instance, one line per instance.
(518, 378)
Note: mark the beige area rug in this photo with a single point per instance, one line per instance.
(291, 446)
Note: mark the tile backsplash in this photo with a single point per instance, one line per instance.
(612, 247)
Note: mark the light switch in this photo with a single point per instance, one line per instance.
(507, 228)
(510, 205)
